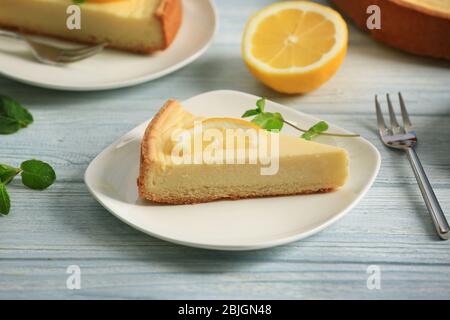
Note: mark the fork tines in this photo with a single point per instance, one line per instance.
(394, 128)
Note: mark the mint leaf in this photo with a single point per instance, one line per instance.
(10, 108)
(13, 115)
(249, 113)
(261, 103)
(315, 130)
(37, 174)
(5, 202)
(8, 125)
(7, 173)
(321, 126)
(269, 121)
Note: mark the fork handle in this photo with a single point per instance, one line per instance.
(434, 208)
(10, 34)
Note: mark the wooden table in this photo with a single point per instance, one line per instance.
(391, 229)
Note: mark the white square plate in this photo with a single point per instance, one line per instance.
(229, 225)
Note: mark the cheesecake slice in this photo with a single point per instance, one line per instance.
(141, 26)
(293, 165)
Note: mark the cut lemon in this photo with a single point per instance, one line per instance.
(295, 46)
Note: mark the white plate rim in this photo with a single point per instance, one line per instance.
(257, 245)
(133, 82)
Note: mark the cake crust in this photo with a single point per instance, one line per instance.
(404, 25)
(178, 201)
(148, 145)
(169, 12)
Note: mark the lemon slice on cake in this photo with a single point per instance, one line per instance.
(200, 128)
(227, 123)
(295, 46)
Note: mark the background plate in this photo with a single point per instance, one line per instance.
(229, 225)
(113, 69)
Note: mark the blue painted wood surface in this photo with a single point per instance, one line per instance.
(48, 231)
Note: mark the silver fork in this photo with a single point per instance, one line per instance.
(54, 55)
(405, 138)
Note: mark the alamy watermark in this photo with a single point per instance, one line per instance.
(73, 281)
(200, 145)
(73, 21)
(374, 20)
(374, 279)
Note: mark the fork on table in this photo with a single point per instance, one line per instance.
(405, 138)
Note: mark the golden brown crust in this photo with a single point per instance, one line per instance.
(405, 26)
(177, 201)
(148, 144)
(169, 12)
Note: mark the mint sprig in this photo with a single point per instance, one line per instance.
(275, 121)
(36, 175)
(13, 116)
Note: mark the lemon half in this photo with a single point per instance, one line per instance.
(295, 46)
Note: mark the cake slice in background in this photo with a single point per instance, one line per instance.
(141, 26)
